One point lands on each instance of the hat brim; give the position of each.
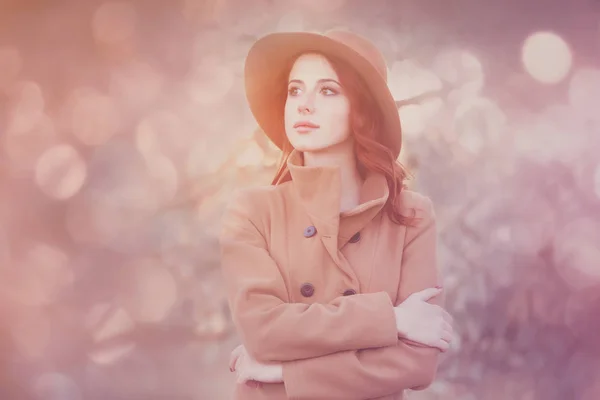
(268, 62)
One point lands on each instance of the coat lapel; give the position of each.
(318, 189)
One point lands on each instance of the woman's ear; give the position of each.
(363, 123)
(358, 120)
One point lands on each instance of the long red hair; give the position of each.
(365, 123)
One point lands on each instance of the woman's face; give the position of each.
(317, 109)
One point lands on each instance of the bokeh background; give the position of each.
(124, 128)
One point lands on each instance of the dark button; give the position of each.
(310, 231)
(307, 289)
(355, 238)
(349, 292)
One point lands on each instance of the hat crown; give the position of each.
(362, 46)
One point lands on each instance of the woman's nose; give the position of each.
(305, 109)
(307, 104)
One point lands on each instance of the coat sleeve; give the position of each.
(271, 328)
(374, 373)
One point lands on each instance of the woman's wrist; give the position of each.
(399, 323)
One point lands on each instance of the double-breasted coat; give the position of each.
(314, 289)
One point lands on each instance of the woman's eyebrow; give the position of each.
(319, 81)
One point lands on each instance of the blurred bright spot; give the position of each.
(461, 70)
(151, 290)
(40, 276)
(546, 57)
(319, 6)
(272, 157)
(584, 93)
(273, 147)
(560, 134)
(117, 323)
(121, 195)
(581, 310)
(213, 324)
(406, 79)
(31, 333)
(10, 65)
(413, 121)
(596, 182)
(248, 125)
(209, 41)
(199, 160)
(52, 268)
(55, 386)
(163, 133)
(503, 234)
(79, 222)
(163, 177)
(26, 106)
(478, 122)
(206, 209)
(5, 248)
(532, 227)
(209, 296)
(135, 85)
(206, 158)
(417, 117)
(593, 391)
(147, 141)
(577, 254)
(96, 314)
(210, 81)
(112, 354)
(553, 135)
(114, 216)
(27, 95)
(251, 156)
(25, 143)
(291, 22)
(94, 117)
(471, 141)
(60, 172)
(531, 141)
(29, 131)
(114, 22)
(205, 11)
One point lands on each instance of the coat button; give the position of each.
(307, 289)
(310, 231)
(349, 292)
(355, 238)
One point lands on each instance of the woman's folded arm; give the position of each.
(273, 329)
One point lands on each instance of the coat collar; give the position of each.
(319, 191)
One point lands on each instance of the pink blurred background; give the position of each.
(124, 127)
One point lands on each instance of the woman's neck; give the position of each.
(343, 157)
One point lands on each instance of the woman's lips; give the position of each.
(305, 126)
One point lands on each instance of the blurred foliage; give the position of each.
(124, 128)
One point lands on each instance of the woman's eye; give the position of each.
(327, 91)
(293, 91)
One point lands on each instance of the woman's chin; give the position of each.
(311, 148)
(307, 143)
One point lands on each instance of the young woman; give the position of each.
(331, 271)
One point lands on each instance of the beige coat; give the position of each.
(314, 289)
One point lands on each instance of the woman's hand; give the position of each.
(422, 322)
(250, 371)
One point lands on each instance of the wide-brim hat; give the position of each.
(269, 62)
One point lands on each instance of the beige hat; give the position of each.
(269, 60)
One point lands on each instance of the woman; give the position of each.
(331, 271)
